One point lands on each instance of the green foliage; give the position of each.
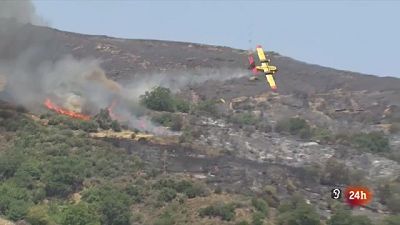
(243, 222)
(207, 107)
(9, 163)
(257, 218)
(166, 218)
(186, 187)
(182, 105)
(115, 126)
(323, 135)
(158, 99)
(105, 122)
(74, 124)
(161, 99)
(38, 215)
(392, 220)
(17, 209)
(297, 212)
(294, 126)
(135, 193)
(63, 176)
(80, 214)
(335, 173)
(245, 118)
(173, 121)
(111, 204)
(389, 194)
(167, 194)
(224, 211)
(394, 128)
(373, 142)
(344, 217)
(14, 201)
(260, 205)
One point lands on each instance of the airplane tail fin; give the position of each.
(252, 63)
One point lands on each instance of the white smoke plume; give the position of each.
(177, 81)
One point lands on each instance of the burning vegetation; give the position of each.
(52, 106)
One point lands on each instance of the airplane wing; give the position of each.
(261, 54)
(271, 81)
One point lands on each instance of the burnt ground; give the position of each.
(235, 174)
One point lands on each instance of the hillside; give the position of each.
(239, 154)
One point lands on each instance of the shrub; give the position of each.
(322, 135)
(175, 122)
(103, 119)
(244, 119)
(294, 126)
(243, 222)
(335, 173)
(224, 211)
(257, 218)
(111, 204)
(182, 105)
(260, 205)
(373, 142)
(391, 220)
(115, 126)
(38, 215)
(158, 99)
(63, 176)
(344, 217)
(165, 218)
(14, 201)
(80, 214)
(194, 190)
(167, 194)
(207, 107)
(297, 212)
(394, 128)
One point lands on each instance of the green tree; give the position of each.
(80, 214)
(158, 99)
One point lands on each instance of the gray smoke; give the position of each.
(21, 11)
(35, 65)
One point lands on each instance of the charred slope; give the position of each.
(124, 59)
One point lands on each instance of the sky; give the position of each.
(360, 36)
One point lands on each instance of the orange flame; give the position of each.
(113, 115)
(50, 105)
(111, 112)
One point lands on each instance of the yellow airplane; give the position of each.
(267, 69)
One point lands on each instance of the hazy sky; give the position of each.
(362, 36)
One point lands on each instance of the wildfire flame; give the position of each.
(50, 105)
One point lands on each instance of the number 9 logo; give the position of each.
(336, 193)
